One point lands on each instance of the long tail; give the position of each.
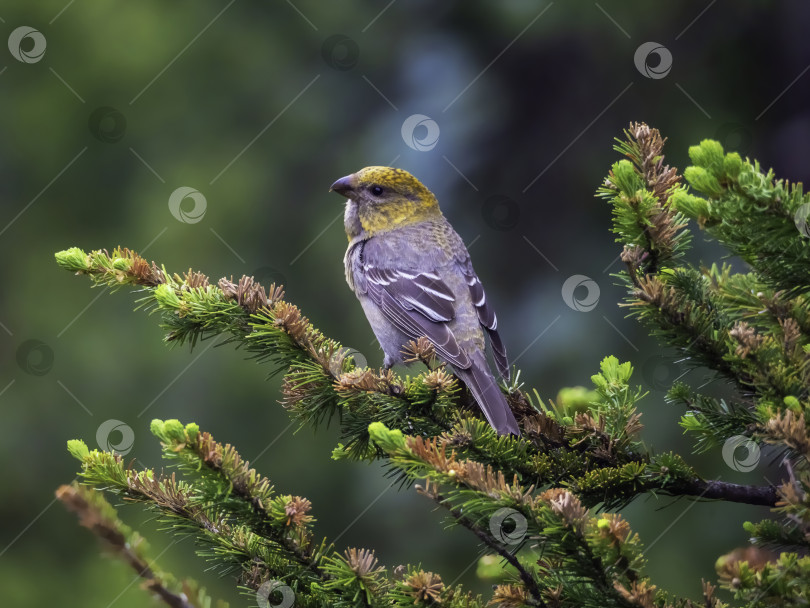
(482, 385)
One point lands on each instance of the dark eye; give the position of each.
(376, 190)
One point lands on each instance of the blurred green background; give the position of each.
(260, 106)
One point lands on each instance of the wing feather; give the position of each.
(418, 304)
(487, 318)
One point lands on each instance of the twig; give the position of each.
(765, 496)
(109, 531)
(528, 580)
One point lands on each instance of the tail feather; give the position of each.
(482, 385)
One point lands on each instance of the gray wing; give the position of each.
(418, 303)
(486, 316)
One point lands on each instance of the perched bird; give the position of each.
(413, 276)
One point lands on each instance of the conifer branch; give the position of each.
(749, 327)
(98, 516)
(284, 519)
(752, 328)
(765, 496)
(588, 561)
(579, 452)
(241, 524)
(525, 577)
(322, 381)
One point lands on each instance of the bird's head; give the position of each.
(384, 198)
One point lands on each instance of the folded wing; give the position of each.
(487, 318)
(418, 304)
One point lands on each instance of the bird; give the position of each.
(413, 276)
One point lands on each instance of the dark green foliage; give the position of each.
(709, 419)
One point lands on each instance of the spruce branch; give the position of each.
(248, 495)
(710, 419)
(578, 453)
(791, 529)
(414, 586)
(98, 516)
(558, 446)
(749, 327)
(753, 214)
(587, 561)
(240, 524)
(762, 583)
(642, 188)
(766, 496)
(229, 542)
(528, 580)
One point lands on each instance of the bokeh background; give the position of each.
(259, 107)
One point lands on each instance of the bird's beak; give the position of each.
(343, 186)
